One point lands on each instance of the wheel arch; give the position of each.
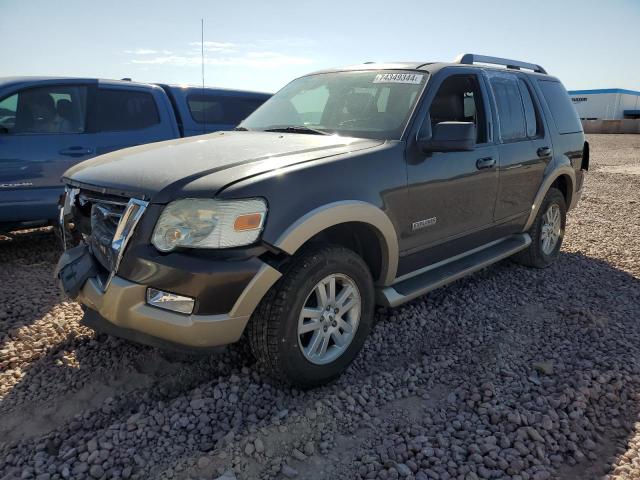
(563, 178)
(564, 183)
(341, 222)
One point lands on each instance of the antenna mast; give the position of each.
(204, 113)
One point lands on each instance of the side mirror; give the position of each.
(449, 137)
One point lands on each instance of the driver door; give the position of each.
(452, 194)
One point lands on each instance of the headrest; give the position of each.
(41, 99)
(448, 106)
(64, 108)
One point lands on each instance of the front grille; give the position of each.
(106, 223)
(105, 218)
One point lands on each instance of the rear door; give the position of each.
(43, 132)
(525, 145)
(128, 115)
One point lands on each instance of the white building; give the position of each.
(606, 103)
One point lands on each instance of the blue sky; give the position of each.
(261, 45)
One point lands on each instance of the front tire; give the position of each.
(547, 232)
(315, 319)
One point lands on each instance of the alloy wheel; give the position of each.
(551, 229)
(329, 319)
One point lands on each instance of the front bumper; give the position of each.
(123, 306)
(226, 286)
(122, 310)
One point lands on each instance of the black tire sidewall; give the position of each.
(296, 367)
(543, 259)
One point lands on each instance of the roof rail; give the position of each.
(471, 58)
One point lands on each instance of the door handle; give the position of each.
(544, 151)
(487, 162)
(75, 151)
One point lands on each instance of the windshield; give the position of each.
(369, 104)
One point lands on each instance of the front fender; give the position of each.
(321, 218)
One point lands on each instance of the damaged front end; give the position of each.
(101, 226)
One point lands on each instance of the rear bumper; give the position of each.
(122, 310)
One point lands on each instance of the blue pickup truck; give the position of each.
(49, 124)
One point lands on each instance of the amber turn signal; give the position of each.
(251, 221)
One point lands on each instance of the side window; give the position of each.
(531, 115)
(563, 112)
(120, 110)
(8, 107)
(511, 114)
(205, 109)
(44, 110)
(459, 99)
(241, 108)
(214, 109)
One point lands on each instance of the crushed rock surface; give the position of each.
(510, 373)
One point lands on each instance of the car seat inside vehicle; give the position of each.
(459, 100)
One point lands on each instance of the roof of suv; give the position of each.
(463, 60)
(429, 67)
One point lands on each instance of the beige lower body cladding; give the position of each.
(123, 304)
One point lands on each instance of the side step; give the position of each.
(440, 274)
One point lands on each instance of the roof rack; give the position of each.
(471, 58)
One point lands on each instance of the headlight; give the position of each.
(206, 223)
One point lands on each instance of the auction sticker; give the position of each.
(413, 78)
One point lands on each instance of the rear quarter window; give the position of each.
(563, 112)
(121, 110)
(217, 109)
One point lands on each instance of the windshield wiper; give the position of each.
(242, 129)
(297, 129)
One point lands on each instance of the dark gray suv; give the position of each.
(366, 185)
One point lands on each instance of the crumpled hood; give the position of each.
(162, 171)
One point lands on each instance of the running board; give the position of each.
(440, 274)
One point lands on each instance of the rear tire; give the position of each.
(547, 232)
(282, 335)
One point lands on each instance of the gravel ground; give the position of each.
(511, 373)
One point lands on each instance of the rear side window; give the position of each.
(44, 110)
(510, 109)
(121, 110)
(532, 117)
(563, 112)
(214, 109)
